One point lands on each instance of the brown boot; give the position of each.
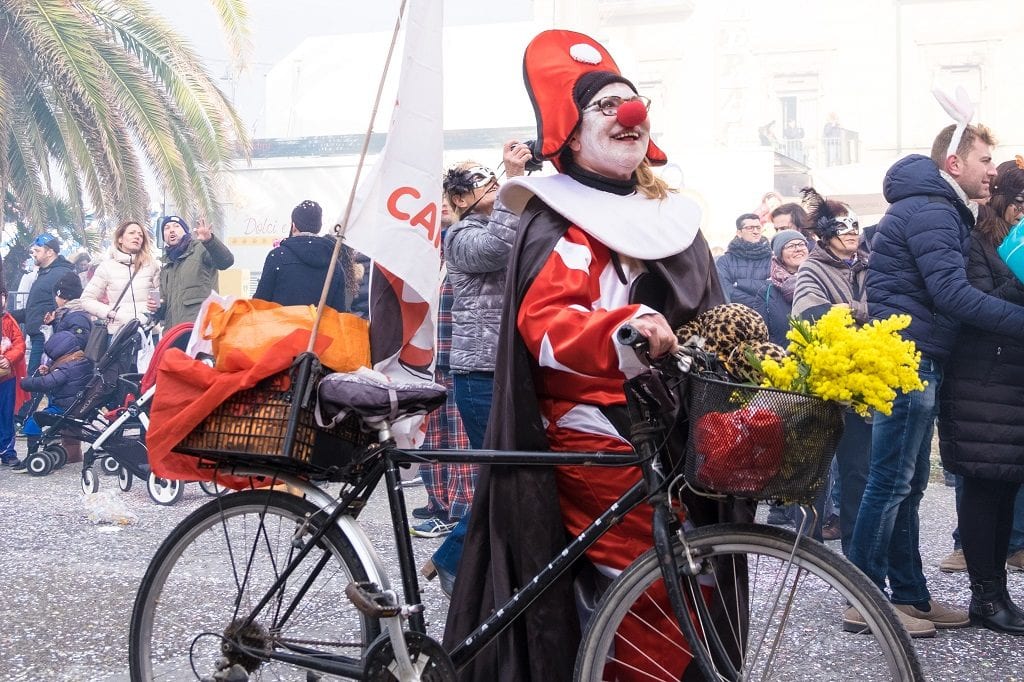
(73, 448)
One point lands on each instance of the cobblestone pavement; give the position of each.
(69, 584)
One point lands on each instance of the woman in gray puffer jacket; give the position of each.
(477, 250)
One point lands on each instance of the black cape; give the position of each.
(516, 525)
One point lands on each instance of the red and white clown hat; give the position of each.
(553, 64)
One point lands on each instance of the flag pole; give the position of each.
(339, 228)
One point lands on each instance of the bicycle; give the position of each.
(287, 583)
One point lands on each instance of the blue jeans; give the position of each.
(852, 461)
(1017, 536)
(35, 354)
(886, 537)
(473, 393)
(7, 395)
(958, 492)
(473, 397)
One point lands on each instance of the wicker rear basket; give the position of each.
(272, 425)
(759, 443)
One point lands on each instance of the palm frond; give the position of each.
(90, 90)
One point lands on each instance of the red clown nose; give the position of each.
(631, 113)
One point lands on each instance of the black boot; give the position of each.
(1006, 597)
(991, 609)
(33, 445)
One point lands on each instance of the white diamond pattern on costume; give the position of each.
(589, 419)
(574, 256)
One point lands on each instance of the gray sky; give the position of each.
(278, 26)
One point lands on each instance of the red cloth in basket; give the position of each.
(188, 391)
(742, 450)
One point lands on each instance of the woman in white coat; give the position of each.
(130, 253)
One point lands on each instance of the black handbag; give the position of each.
(99, 337)
(98, 342)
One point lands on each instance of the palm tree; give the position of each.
(93, 91)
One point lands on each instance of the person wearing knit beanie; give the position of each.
(294, 272)
(307, 217)
(189, 269)
(781, 239)
(69, 287)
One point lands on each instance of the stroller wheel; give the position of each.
(124, 479)
(39, 463)
(212, 489)
(58, 454)
(90, 482)
(110, 466)
(164, 491)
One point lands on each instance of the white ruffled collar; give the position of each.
(632, 225)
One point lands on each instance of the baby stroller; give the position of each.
(123, 442)
(80, 421)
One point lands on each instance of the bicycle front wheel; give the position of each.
(767, 612)
(197, 598)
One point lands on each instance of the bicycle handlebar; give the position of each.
(628, 335)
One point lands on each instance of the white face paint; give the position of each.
(603, 146)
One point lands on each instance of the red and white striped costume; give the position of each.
(568, 320)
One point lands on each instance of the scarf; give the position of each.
(176, 252)
(751, 250)
(68, 357)
(595, 181)
(783, 279)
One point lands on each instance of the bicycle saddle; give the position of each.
(373, 397)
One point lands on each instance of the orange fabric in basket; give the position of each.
(187, 391)
(248, 328)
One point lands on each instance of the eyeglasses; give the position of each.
(795, 246)
(609, 106)
(849, 225)
(751, 228)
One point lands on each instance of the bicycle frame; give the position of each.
(387, 467)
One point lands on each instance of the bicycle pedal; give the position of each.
(369, 600)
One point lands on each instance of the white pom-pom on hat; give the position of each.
(585, 53)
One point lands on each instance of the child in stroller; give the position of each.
(103, 387)
(62, 379)
(123, 442)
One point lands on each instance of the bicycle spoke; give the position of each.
(220, 565)
(765, 611)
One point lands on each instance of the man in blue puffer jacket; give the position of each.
(917, 268)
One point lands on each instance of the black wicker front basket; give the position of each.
(272, 425)
(759, 443)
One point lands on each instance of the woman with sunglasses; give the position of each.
(130, 260)
(834, 275)
(981, 416)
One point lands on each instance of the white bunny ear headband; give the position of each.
(961, 110)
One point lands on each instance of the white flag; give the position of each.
(396, 217)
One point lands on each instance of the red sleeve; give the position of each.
(562, 320)
(16, 353)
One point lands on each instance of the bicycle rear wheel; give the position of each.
(773, 619)
(213, 569)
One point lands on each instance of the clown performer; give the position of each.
(601, 244)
